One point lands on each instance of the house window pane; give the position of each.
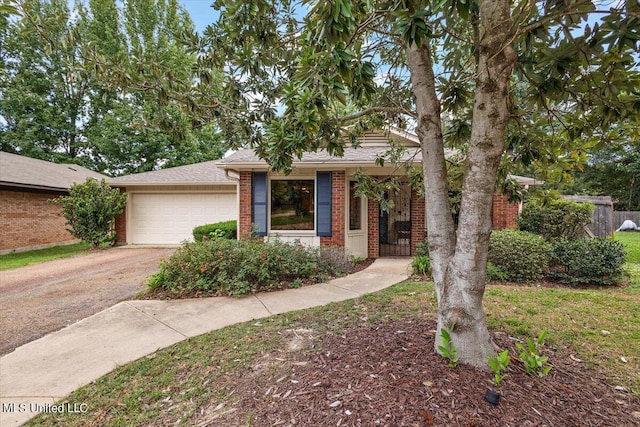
(355, 208)
(292, 204)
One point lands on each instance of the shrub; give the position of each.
(90, 210)
(333, 261)
(493, 272)
(556, 219)
(422, 248)
(239, 267)
(598, 261)
(421, 265)
(522, 256)
(225, 229)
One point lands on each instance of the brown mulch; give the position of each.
(387, 374)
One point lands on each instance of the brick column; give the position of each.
(418, 221)
(503, 213)
(373, 226)
(244, 218)
(338, 211)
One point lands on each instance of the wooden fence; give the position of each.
(603, 222)
(621, 216)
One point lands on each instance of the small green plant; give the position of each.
(533, 362)
(499, 364)
(447, 349)
(421, 265)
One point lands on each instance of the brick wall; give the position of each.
(30, 220)
(338, 219)
(503, 213)
(418, 222)
(244, 219)
(373, 226)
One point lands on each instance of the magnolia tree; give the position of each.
(506, 81)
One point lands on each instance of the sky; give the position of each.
(200, 11)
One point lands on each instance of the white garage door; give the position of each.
(170, 218)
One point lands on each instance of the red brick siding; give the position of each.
(29, 220)
(338, 211)
(373, 226)
(503, 213)
(418, 223)
(244, 219)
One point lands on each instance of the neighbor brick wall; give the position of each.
(418, 223)
(121, 228)
(337, 211)
(30, 220)
(503, 213)
(244, 223)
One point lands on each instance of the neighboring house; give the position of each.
(316, 204)
(164, 206)
(27, 219)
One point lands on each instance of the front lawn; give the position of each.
(631, 240)
(243, 373)
(21, 259)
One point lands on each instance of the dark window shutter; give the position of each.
(323, 209)
(259, 195)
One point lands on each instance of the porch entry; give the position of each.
(395, 224)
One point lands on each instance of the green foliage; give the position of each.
(534, 363)
(63, 99)
(519, 256)
(90, 210)
(599, 261)
(225, 229)
(422, 248)
(421, 265)
(493, 272)
(499, 364)
(556, 219)
(239, 267)
(447, 349)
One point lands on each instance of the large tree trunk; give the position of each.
(459, 262)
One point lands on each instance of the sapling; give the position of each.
(447, 348)
(499, 364)
(534, 363)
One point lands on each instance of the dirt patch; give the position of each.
(42, 298)
(386, 374)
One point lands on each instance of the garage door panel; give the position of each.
(170, 218)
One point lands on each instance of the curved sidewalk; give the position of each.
(46, 370)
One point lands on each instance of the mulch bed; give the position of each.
(387, 374)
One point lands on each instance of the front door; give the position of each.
(395, 224)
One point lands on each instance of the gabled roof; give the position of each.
(372, 146)
(205, 173)
(18, 171)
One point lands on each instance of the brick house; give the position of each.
(316, 204)
(27, 219)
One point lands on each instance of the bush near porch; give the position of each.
(239, 267)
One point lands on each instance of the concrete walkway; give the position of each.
(46, 370)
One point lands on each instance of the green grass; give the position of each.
(21, 259)
(631, 240)
(170, 385)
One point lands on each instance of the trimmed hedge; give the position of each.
(225, 229)
(518, 256)
(588, 261)
(558, 219)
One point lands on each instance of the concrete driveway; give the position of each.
(42, 298)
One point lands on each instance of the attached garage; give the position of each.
(164, 206)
